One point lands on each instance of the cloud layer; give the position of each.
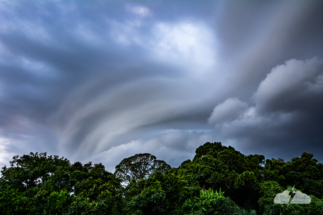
(99, 81)
(286, 109)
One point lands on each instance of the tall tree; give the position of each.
(139, 167)
(215, 166)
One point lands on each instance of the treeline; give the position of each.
(219, 180)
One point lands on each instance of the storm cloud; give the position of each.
(101, 81)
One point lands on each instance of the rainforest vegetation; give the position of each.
(218, 180)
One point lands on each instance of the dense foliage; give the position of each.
(219, 180)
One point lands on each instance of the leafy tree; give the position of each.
(95, 197)
(168, 190)
(41, 184)
(305, 173)
(31, 170)
(13, 202)
(48, 201)
(210, 202)
(150, 201)
(209, 148)
(272, 170)
(315, 207)
(139, 166)
(215, 166)
(269, 189)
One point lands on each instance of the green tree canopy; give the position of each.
(159, 194)
(139, 166)
(209, 203)
(219, 167)
(41, 184)
(305, 173)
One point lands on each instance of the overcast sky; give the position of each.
(100, 81)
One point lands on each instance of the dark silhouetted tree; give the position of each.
(139, 167)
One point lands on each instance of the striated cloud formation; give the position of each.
(101, 81)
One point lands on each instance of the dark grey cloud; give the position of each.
(102, 81)
(294, 86)
(257, 36)
(286, 117)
